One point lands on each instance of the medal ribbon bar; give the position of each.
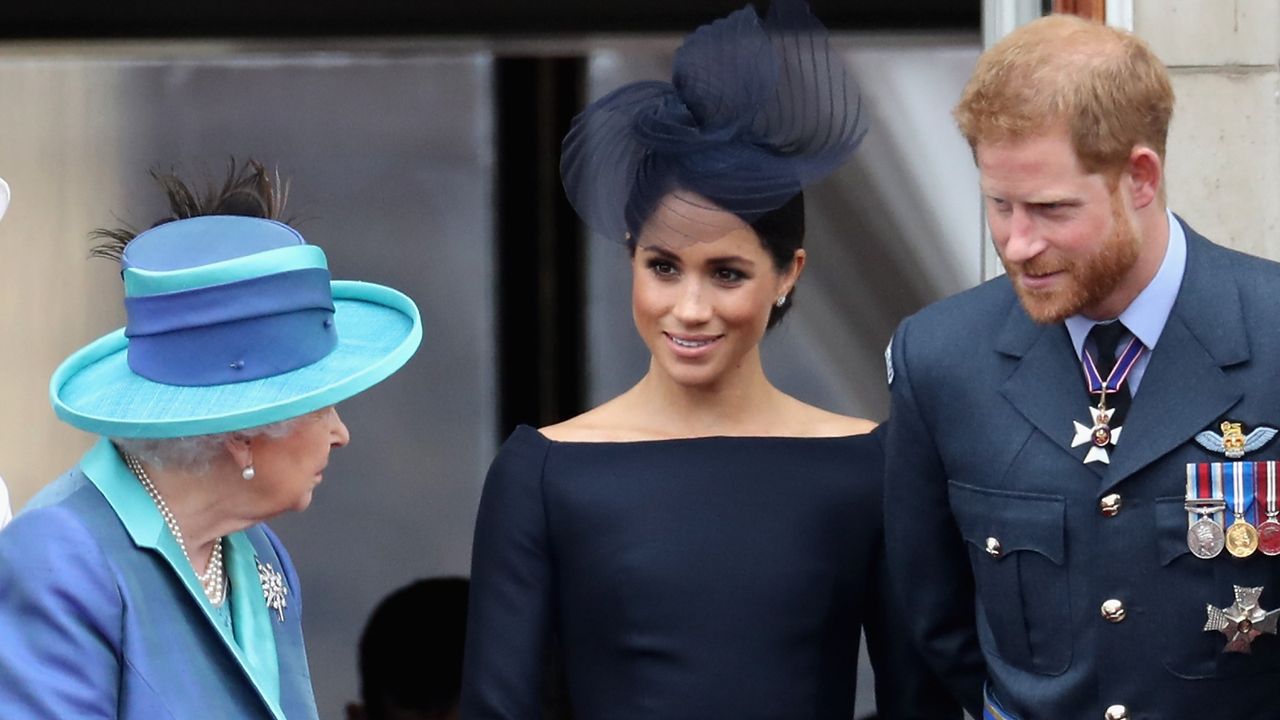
(1241, 489)
(1205, 492)
(1265, 472)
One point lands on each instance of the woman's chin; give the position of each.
(693, 376)
(303, 503)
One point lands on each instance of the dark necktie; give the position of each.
(1106, 338)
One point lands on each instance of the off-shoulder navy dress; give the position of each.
(705, 578)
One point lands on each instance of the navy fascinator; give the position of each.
(755, 111)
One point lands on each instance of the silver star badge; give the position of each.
(1100, 436)
(273, 588)
(1243, 621)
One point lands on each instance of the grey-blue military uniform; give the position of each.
(1068, 589)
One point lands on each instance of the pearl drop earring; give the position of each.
(248, 472)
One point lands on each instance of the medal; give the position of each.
(1269, 529)
(1100, 435)
(1205, 506)
(1243, 622)
(1205, 538)
(1242, 537)
(1269, 537)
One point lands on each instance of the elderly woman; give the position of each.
(144, 584)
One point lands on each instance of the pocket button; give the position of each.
(993, 547)
(1117, 712)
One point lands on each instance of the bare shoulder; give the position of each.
(812, 421)
(605, 423)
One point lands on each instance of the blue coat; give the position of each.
(979, 448)
(95, 621)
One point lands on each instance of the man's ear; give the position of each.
(1146, 174)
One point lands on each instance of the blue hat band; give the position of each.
(234, 332)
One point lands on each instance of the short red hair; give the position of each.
(1105, 86)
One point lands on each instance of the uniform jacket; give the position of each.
(96, 623)
(979, 450)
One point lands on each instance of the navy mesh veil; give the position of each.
(755, 111)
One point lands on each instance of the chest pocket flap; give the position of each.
(1017, 521)
(1017, 547)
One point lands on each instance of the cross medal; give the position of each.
(1242, 622)
(1099, 435)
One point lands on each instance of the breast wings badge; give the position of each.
(1233, 442)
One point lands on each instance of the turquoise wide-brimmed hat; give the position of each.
(233, 322)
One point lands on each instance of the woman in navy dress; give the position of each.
(702, 546)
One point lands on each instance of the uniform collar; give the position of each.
(1146, 315)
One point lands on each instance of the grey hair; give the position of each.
(195, 453)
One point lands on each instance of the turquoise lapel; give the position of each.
(254, 623)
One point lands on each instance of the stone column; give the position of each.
(1223, 163)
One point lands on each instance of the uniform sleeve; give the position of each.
(510, 606)
(60, 621)
(906, 686)
(928, 564)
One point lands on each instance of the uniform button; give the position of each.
(1117, 712)
(993, 547)
(1110, 505)
(1113, 610)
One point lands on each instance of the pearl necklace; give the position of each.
(213, 579)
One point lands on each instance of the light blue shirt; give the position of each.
(1146, 315)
